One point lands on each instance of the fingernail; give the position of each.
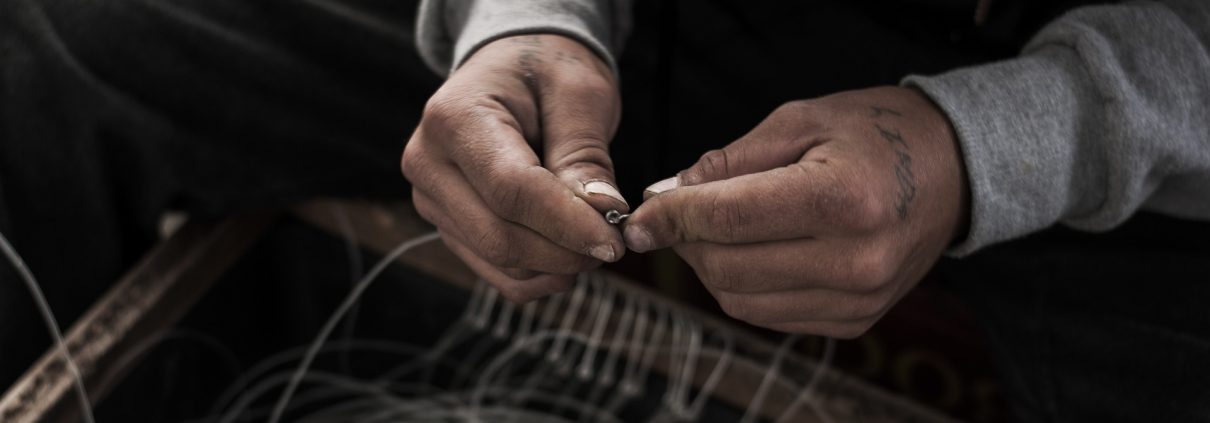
(664, 185)
(603, 188)
(603, 253)
(637, 238)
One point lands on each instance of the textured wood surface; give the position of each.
(148, 300)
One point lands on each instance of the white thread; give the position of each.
(52, 325)
(758, 399)
(805, 395)
(335, 318)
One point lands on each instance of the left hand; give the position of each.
(822, 217)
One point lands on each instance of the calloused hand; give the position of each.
(820, 218)
(511, 163)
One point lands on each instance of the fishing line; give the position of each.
(335, 318)
(51, 325)
(496, 367)
(573, 327)
(804, 397)
(762, 391)
(265, 366)
(356, 268)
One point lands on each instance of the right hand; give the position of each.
(511, 163)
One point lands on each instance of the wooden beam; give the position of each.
(147, 301)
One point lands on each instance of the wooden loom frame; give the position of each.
(168, 281)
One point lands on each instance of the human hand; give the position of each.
(822, 217)
(523, 222)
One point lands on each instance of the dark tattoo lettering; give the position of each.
(891, 135)
(906, 181)
(904, 178)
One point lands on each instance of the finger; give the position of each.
(503, 244)
(505, 172)
(801, 200)
(579, 118)
(517, 291)
(838, 330)
(758, 151)
(809, 305)
(786, 266)
(461, 213)
(460, 249)
(519, 274)
(766, 147)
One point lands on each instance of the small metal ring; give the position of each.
(615, 217)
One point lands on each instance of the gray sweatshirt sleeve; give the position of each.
(447, 31)
(1105, 112)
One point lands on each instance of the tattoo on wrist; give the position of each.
(904, 177)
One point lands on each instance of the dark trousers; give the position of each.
(112, 112)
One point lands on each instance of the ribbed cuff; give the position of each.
(1017, 124)
(449, 31)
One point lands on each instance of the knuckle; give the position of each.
(808, 115)
(880, 265)
(714, 164)
(717, 273)
(506, 198)
(719, 277)
(725, 217)
(855, 207)
(797, 108)
(495, 247)
(408, 160)
(591, 88)
(583, 148)
(454, 114)
(442, 106)
(412, 162)
(870, 271)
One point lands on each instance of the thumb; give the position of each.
(750, 154)
(765, 147)
(577, 124)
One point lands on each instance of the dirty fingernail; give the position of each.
(603, 253)
(603, 188)
(664, 185)
(637, 238)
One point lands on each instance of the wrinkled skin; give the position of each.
(817, 221)
(822, 217)
(511, 163)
